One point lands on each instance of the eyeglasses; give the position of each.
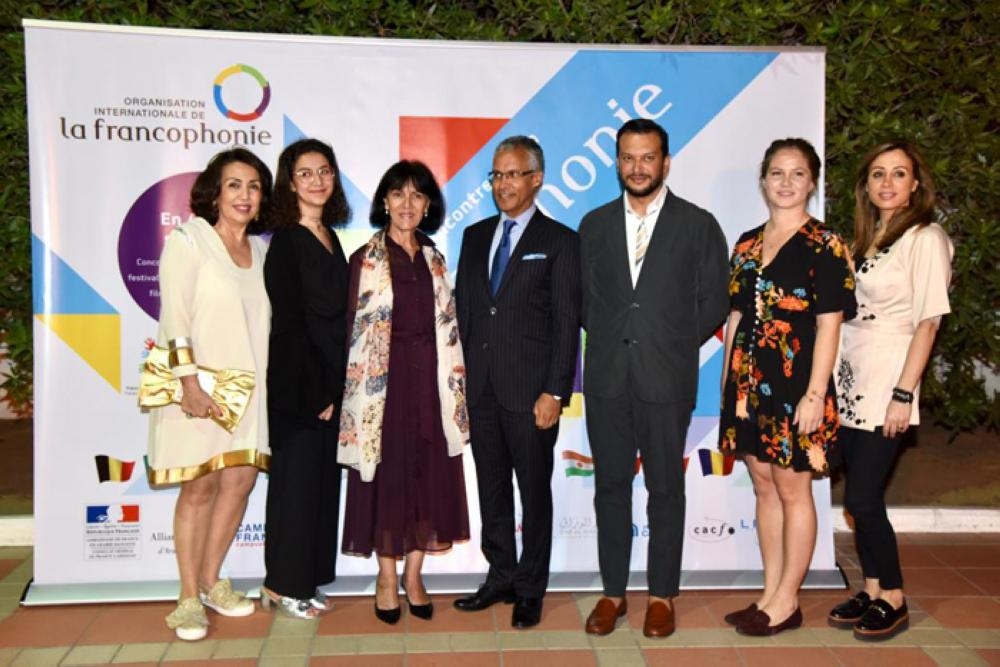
(497, 176)
(306, 175)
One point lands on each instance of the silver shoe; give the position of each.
(290, 607)
(321, 601)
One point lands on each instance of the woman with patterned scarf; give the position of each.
(404, 421)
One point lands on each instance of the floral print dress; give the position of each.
(768, 370)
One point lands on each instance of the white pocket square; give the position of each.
(534, 255)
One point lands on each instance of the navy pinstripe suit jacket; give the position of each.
(525, 340)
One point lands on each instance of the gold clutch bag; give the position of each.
(229, 388)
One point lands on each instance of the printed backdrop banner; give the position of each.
(122, 119)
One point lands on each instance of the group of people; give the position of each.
(380, 365)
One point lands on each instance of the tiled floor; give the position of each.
(953, 587)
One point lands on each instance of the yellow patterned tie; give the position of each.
(641, 243)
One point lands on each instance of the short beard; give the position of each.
(653, 186)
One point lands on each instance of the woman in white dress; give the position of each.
(903, 262)
(214, 313)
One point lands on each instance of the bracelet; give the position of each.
(812, 393)
(901, 395)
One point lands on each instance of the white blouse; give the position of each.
(896, 289)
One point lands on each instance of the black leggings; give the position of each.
(869, 457)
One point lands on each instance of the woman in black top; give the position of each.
(306, 278)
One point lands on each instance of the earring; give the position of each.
(387, 210)
(426, 211)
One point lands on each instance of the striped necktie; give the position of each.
(501, 257)
(641, 242)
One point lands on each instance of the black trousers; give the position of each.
(618, 428)
(504, 444)
(303, 505)
(868, 458)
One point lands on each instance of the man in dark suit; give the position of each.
(654, 288)
(518, 297)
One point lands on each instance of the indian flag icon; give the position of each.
(577, 465)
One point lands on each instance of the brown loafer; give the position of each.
(759, 624)
(602, 620)
(659, 620)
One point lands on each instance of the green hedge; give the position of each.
(926, 71)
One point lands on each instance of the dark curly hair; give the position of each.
(208, 185)
(398, 175)
(286, 204)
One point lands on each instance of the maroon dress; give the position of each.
(416, 501)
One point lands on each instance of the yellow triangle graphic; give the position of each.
(96, 338)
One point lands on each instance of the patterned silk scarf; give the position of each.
(368, 361)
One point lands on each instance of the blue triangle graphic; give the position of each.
(57, 289)
(576, 114)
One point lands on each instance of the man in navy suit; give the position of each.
(518, 297)
(655, 287)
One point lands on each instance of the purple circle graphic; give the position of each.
(153, 215)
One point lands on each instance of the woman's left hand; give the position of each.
(808, 414)
(897, 419)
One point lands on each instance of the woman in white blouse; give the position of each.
(903, 265)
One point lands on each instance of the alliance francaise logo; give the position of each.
(265, 97)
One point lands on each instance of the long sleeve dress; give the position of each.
(771, 358)
(416, 500)
(307, 285)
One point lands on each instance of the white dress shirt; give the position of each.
(632, 220)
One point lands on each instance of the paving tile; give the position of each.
(692, 657)
(544, 658)
(816, 606)
(7, 565)
(181, 650)
(381, 644)
(559, 612)
(283, 626)
(281, 647)
(7, 655)
(32, 626)
(510, 641)
(923, 637)
(986, 579)
(11, 591)
(834, 636)
(438, 642)
(772, 656)
(565, 639)
(448, 619)
(454, 659)
(954, 657)
(990, 656)
(255, 626)
(966, 555)
(698, 611)
(40, 657)
(865, 656)
(358, 661)
(978, 638)
(691, 637)
(237, 648)
(224, 662)
(355, 616)
(800, 637)
(620, 657)
(138, 622)
(100, 654)
(937, 581)
(918, 555)
(147, 652)
(282, 661)
(622, 637)
(474, 641)
(971, 612)
(334, 645)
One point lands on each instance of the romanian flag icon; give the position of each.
(715, 463)
(578, 465)
(110, 469)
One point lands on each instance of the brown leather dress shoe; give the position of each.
(659, 620)
(602, 620)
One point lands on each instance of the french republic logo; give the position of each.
(242, 116)
(112, 514)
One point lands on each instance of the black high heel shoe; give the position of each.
(390, 616)
(424, 611)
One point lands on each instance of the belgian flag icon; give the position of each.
(110, 469)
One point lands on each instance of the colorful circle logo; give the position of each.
(265, 97)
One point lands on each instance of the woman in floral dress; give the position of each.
(791, 287)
